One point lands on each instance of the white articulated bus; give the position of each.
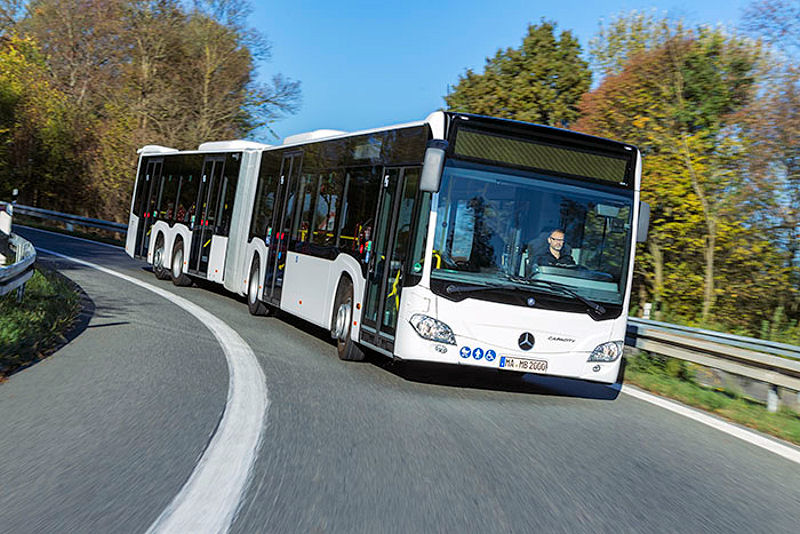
(458, 239)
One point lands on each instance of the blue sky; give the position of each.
(368, 64)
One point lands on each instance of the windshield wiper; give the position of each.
(453, 289)
(561, 287)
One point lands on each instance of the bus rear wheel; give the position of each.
(179, 278)
(342, 323)
(255, 306)
(158, 259)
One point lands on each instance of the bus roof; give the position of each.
(237, 144)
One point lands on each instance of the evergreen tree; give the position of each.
(541, 81)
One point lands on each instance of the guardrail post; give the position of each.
(772, 399)
(5, 229)
(20, 289)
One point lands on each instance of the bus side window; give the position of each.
(265, 197)
(167, 207)
(359, 210)
(329, 191)
(188, 197)
(223, 208)
(307, 193)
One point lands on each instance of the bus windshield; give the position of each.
(533, 232)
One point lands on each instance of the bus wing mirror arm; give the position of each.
(644, 222)
(432, 165)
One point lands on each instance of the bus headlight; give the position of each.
(607, 352)
(433, 329)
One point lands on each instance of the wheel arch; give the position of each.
(346, 265)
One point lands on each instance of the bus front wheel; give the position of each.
(179, 278)
(342, 324)
(255, 306)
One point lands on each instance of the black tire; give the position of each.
(158, 259)
(342, 323)
(254, 305)
(621, 374)
(179, 278)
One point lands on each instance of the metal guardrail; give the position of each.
(774, 363)
(68, 218)
(15, 275)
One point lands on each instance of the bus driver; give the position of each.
(557, 253)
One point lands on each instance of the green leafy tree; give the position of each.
(541, 81)
(626, 35)
(40, 134)
(678, 102)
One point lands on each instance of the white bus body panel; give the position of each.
(310, 284)
(130, 239)
(216, 258)
(238, 256)
(306, 286)
(564, 340)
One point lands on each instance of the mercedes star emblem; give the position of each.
(526, 341)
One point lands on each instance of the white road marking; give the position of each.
(210, 498)
(790, 453)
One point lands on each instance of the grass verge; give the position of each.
(30, 330)
(672, 378)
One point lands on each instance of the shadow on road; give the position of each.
(88, 307)
(494, 380)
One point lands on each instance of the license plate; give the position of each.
(523, 364)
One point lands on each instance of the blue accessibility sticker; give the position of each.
(502, 361)
(477, 353)
(490, 355)
(464, 352)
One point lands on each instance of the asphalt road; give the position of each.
(100, 437)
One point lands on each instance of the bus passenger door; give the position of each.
(389, 251)
(147, 203)
(205, 214)
(281, 228)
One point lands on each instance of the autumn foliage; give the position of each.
(84, 83)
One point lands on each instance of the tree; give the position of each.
(541, 81)
(84, 45)
(777, 22)
(627, 35)
(678, 102)
(134, 72)
(39, 133)
(772, 122)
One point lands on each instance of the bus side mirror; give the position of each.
(644, 222)
(432, 165)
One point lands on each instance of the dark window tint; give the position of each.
(169, 193)
(227, 193)
(265, 195)
(187, 201)
(419, 239)
(327, 205)
(357, 221)
(306, 196)
(141, 188)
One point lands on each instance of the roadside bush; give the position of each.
(32, 328)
